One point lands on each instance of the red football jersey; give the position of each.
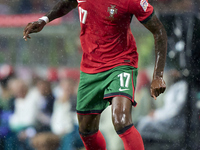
(106, 37)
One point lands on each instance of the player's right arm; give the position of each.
(59, 10)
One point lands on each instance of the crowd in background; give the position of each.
(39, 112)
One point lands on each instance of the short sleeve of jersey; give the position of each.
(141, 9)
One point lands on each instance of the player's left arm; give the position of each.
(154, 25)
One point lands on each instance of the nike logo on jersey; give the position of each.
(81, 1)
(120, 89)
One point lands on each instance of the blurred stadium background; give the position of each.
(39, 80)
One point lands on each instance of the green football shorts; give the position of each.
(96, 91)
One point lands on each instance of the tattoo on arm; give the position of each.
(156, 27)
(61, 9)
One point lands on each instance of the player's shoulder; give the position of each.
(140, 6)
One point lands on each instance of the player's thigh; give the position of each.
(121, 112)
(88, 123)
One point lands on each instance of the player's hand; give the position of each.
(33, 27)
(158, 86)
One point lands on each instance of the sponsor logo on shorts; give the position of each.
(120, 89)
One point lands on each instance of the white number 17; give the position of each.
(127, 76)
(82, 15)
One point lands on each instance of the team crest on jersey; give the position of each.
(144, 4)
(112, 10)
